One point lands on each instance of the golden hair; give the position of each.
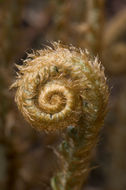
(56, 86)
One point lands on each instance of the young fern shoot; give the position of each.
(64, 88)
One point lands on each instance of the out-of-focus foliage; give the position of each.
(27, 159)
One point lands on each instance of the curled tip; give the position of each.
(53, 86)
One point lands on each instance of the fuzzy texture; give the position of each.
(63, 87)
(56, 86)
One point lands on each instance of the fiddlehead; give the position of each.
(61, 88)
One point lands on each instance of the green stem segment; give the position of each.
(75, 153)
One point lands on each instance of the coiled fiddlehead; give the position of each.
(63, 87)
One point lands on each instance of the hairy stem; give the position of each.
(75, 153)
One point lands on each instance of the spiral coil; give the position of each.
(57, 86)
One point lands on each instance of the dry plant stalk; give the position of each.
(95, 22)
(9, 34)
(114, 52)
(64, 88)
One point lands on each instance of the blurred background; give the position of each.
(27, 159)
